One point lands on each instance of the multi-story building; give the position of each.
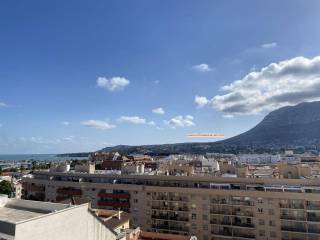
(206, 207)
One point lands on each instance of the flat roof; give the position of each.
(13, 215)
(17, 210)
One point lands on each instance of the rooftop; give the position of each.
(15, 210)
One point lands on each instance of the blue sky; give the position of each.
(149, 55)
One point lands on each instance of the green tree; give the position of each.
(5, 187)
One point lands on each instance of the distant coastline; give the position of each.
(39, 157)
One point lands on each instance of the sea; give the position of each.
(36, 157)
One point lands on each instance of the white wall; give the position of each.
(74, 223)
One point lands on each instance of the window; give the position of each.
(205, 227)
(135, 200)
(272, 223)
(193, 216)
(261, 222)
(271, 211)
(260, 210)
(260, 200)
(205, 217)
(262, 233)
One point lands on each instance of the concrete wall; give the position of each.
(74, 223)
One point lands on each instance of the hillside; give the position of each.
(288, 127)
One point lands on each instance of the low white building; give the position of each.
(24, 220)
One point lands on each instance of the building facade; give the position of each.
(207, 207)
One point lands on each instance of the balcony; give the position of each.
(314, 229)
(181, 209)
(70, 192)
(244, 235)
(170, 228)
(114, 195)
(243, 213)
(114, 204)
(293, 229)
(220, 222)
(221, 211)
(242, 203)
(179, 199)
(292, 217)
(313, 218)
(313, 206)
(292, 206)
(222, 233)
(170, 218)
(240, 224)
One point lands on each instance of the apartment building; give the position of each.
(209, 208)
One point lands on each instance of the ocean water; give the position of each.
(36, 157)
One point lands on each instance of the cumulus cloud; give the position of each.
(112, 84)
(151, 123)
(158, 110)
(98, 124)
(202, 68)
(180, 121)
(279, 84)
(201, 101)
(3, 105)
(132, 119)
(269, 45)
(66, 123)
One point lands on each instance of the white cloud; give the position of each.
(279, 84)
(112, 84)
(3, 105)
(269, 45)
(158, 110)
(1, 125)
(98, 124)
(202, 68)
(156, 82)
(68, 139)
(151, 123)
(180, 121)
(66, 123)
(132, 119)
(228, 116)
(201, 101)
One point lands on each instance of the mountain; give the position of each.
(288, 127)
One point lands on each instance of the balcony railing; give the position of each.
(70, 192)
(240, 224)
(222, 233)
(292, 206)
(292, 217)
(293, 229)
(114, 204)
(114, 195)
(314, 218)
(172, 218)
(170, 228)
(244, 235)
